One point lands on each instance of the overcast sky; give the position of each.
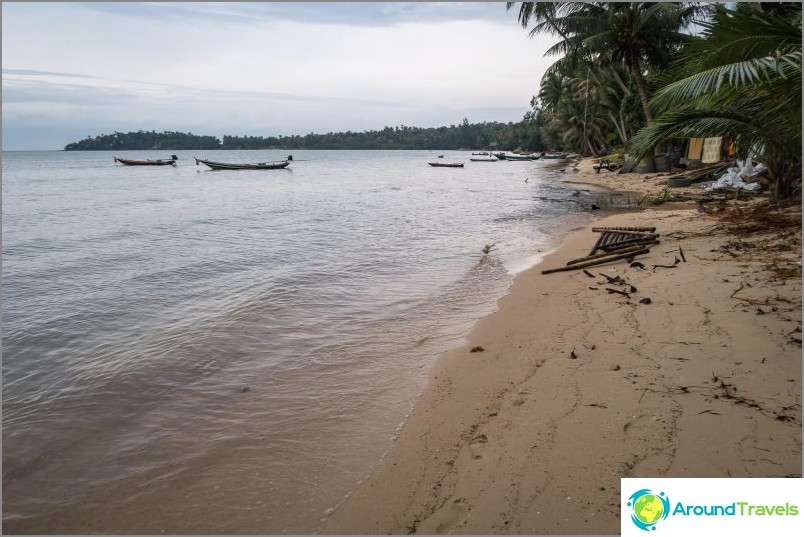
(71, 70)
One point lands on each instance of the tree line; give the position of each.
(523, 135)
(637, 75)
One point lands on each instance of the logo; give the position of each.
(647, 508)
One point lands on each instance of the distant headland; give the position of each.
(522, 135)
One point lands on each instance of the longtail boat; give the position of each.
(158, 162)
(275, 165)
(446, 164)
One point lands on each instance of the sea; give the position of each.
(234, 352)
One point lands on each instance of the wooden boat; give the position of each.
(159, 162)
(520, 157)
(275, 165)
(546, 156)
(484, 159)
(446, 164)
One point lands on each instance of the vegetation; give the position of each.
(145, 140)
(741, 79)
(487, 135)
(633, 74)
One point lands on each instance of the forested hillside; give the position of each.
(525, 134)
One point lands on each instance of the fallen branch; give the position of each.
(597, 262)
(608, 254)
(612, 291)
(624, 229)
(648, 239)
(667, 266)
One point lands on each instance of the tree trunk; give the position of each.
(642, 87)
(619, 81)
(620, 131)
(636, 68)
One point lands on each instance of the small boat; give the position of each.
(159, 162)
(446, 164)
(489, 158)
(275, 165)
(546, 156)
(520, 157)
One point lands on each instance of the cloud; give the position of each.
(330, 13)
(263, 68)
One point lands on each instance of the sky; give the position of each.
(73, 70)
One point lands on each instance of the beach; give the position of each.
(567, 387)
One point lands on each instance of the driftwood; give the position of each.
(622, 231)
(622, 250)
(650, 239)
(648, 229)
(597, 261)
(615, 237)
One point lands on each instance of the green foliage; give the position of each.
(742, 80)
(145, 140)
(463, 136)
(526, 134)
(609, 50)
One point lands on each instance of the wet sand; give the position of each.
(576, 387)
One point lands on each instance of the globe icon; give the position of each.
(648, 509)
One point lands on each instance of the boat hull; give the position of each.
(256, 166)
(132, 162)
(445, 165)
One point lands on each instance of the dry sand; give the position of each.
(576, 387)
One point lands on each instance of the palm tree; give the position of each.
(639, 35)
(742, 79)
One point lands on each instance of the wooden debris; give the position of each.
(610, 253)
(616, 237)
(615, 243)
(597, 261)
(611, 291)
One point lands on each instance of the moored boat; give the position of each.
(489, 158)
(554, 155)
(148, 162)
(275, 165)
(521, 157)
(446, 164)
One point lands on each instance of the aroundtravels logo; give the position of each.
(648, 508)
(711, 506)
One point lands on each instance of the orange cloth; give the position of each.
(695, 149)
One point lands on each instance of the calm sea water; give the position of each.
(197, 351)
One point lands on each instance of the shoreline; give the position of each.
(576, 387)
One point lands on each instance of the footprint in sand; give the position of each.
(477, 446)
(449, 517)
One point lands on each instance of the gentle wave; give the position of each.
(245, 340)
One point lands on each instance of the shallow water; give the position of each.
(197, 351)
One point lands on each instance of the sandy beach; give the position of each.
(568, 387)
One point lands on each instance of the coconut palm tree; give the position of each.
(639, 35)
(742, 79)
